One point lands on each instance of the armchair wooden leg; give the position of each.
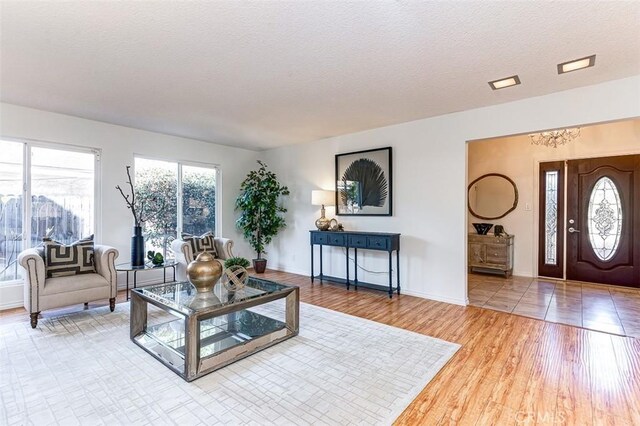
(34, 319)
(112, 304)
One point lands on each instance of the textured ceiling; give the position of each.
(261, 74)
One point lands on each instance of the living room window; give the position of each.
(45, 190)
(186, 194)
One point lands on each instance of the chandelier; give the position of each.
(553, 138)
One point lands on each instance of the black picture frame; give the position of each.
(364, 183)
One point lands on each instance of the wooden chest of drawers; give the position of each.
(488, 253)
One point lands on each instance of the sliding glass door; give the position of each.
(45, 191)
(62, 195)
(184, 196)
(198, 199)
(11, 208)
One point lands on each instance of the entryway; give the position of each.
(610, 309)
(575, 225)
(596, 238)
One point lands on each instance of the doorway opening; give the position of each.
(539, 286)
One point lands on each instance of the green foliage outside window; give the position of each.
(158, 186)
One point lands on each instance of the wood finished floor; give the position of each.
(510, 369)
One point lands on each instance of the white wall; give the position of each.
(517, 158)
(429, 177)
(118, 145)
(429, 166)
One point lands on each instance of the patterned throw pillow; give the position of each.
(62, 260)
(202, 243)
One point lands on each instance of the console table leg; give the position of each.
(127, 285)
(346, 258)
(355, 265)
(398, 269)
(390, 277)
(311, 263)
(321, 263)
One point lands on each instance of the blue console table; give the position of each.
(380, 241)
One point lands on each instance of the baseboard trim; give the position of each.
(11, 296)
(437, 298)
(289, 270)
(429, 296)
(11, 305)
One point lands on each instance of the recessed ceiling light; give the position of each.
(504, 82)
(577, 64)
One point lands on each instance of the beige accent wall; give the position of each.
(517, 158)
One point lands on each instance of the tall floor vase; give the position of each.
(137, 247)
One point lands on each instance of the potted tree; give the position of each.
(260, 211)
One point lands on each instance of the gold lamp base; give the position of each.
(322, 223)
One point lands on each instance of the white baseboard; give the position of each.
(11, 296)
(281, 268)
(437, 298)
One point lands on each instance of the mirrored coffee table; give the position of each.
(205, 332)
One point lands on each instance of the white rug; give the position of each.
(81, 368)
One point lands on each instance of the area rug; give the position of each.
(81, 368)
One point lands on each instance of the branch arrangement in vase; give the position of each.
(142, 208)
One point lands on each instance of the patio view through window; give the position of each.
(185, 196)
(55, 198)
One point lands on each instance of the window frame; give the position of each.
(545, 269)
(179, 191)
(27, 145)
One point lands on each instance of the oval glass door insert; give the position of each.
(605, 218)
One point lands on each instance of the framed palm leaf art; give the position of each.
(363, 183)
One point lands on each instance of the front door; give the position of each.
(603, 220)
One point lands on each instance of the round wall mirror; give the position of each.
(492, 196)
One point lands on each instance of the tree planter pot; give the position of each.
(259, 265)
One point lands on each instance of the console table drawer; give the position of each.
(378, 243)
(318, 238)
(357, 241)
(335, 240)
(328, 239)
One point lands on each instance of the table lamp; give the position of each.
(322, 198)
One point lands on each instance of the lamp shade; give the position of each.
(323, 198)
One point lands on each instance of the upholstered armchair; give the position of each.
(183, 253)
(42, 293)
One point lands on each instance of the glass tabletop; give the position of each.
(183, 296)
(126, 266)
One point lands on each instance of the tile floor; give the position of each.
(596, 307)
